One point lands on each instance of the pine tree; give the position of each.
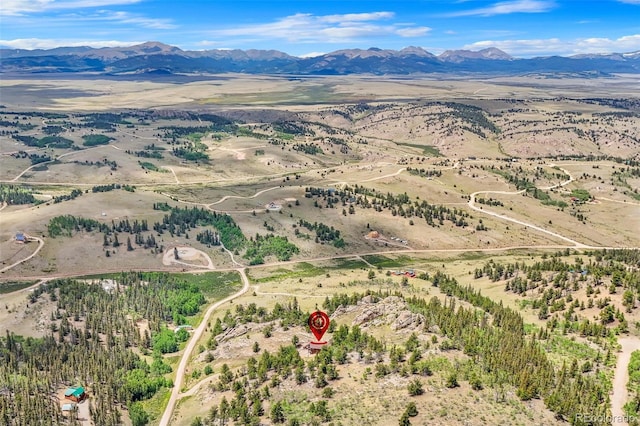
(412, 410)
(277, 413)
(415, 387)
(404, 420)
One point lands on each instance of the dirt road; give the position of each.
(384, 176)
(187, 254)
(15, 179)
(226, 197)
(197, 334)
(40, 245)
(326, 258)
(472, 205)
(620, 379)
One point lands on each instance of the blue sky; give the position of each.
(522, 28)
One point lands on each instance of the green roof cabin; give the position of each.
(75, 394)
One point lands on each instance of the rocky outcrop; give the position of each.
(368, 315)
(407, 320)
(230, 333)
(391, 311)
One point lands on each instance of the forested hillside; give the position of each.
(97, 340)
(488, 343)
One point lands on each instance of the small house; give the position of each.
(20, 238)
(314, 347)
(68, 407)
(75, 394)
(108, 285)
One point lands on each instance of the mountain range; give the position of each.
(159, 58)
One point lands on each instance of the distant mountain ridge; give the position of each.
(159, 57)
(490, 53)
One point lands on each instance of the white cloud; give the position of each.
(208, 43)
(356, 17)
(312, 54)
(72, 12)
(413, 32)
(18, 7)
(556, 46)
(336, 34)
(141, 21)
(622, 44)
(21, 7)
(39, 43)
(508, 7)
(71, 21)
(307, 28)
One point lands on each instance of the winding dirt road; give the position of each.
(472, 205)
(621, 377)
(40, 245)
(186, 253)
(197, 334)
(384, 176)
(619, 202)
(226, 197)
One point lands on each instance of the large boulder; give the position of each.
(368, 314)
(408, 320)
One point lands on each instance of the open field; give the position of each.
(231, 90)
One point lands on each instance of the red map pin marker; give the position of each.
(318, 323)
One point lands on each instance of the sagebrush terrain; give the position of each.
(475, 243)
